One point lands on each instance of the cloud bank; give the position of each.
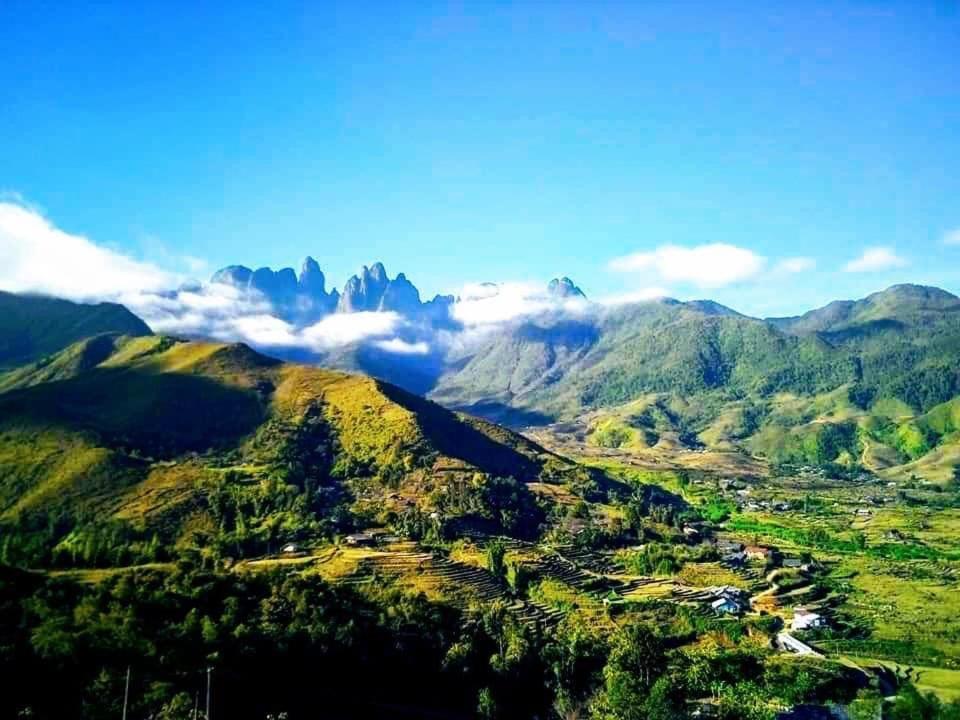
(705, 266)
(37, 257)
(875, 259)
(486, 304)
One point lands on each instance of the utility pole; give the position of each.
(208, 693)
(126, 694)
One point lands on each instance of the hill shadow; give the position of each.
(157, 414)
(569, 334)
(414, 373)
(503, 414)
(865, 330)
(455, 438)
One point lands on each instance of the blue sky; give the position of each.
(480, 141)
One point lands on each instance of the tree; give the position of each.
(575, 658)
(866, 706)
(486, 705)
(859, 541)
(665, 701)
(912, 705)
(495, 559)
(636, 660)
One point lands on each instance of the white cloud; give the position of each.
(225, 313)
(706, 266)
(402, 347)
(262, 330)
(636, 296)
(875, 259)
(196, 266)
(488, 304)
(952, 237)
(211, 310)
(344, 329)
(795, 265)
(37, 257)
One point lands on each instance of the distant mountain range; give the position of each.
(874, 381)
(900, 344)
(303, 299)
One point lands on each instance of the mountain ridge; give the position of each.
(720, 373)
(32, 326)
(153, 429)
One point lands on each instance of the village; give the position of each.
(765, 582)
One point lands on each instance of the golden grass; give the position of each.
(709, 575)
(165, 487)
(92, 576)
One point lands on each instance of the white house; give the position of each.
(725, 606)
(728, 591)
(361, 538)
(803, 619)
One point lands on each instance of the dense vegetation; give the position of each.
(174, 512)
(164, 441)
(282, 642)
(857, 383)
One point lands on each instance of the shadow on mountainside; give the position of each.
(503, 414)
(157, 414)
(415, 373)
(455, 438)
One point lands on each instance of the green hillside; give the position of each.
(69, 362)
(180, 510)
(560, 369)
(162, 438)
(902, 344)
(850, 383)
(906, 340)
(32, 327)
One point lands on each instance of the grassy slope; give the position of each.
(888, 437)
(120, 437)
(562, 368)
(881, 365)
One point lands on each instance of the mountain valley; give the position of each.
(674, 465)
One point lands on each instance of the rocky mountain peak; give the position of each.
(312, 280)
(236, 275)
(400, 296)
(278, 286)
(378, 272)
(303, 299)
(564, 287)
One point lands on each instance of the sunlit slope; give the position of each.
(145, 427)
